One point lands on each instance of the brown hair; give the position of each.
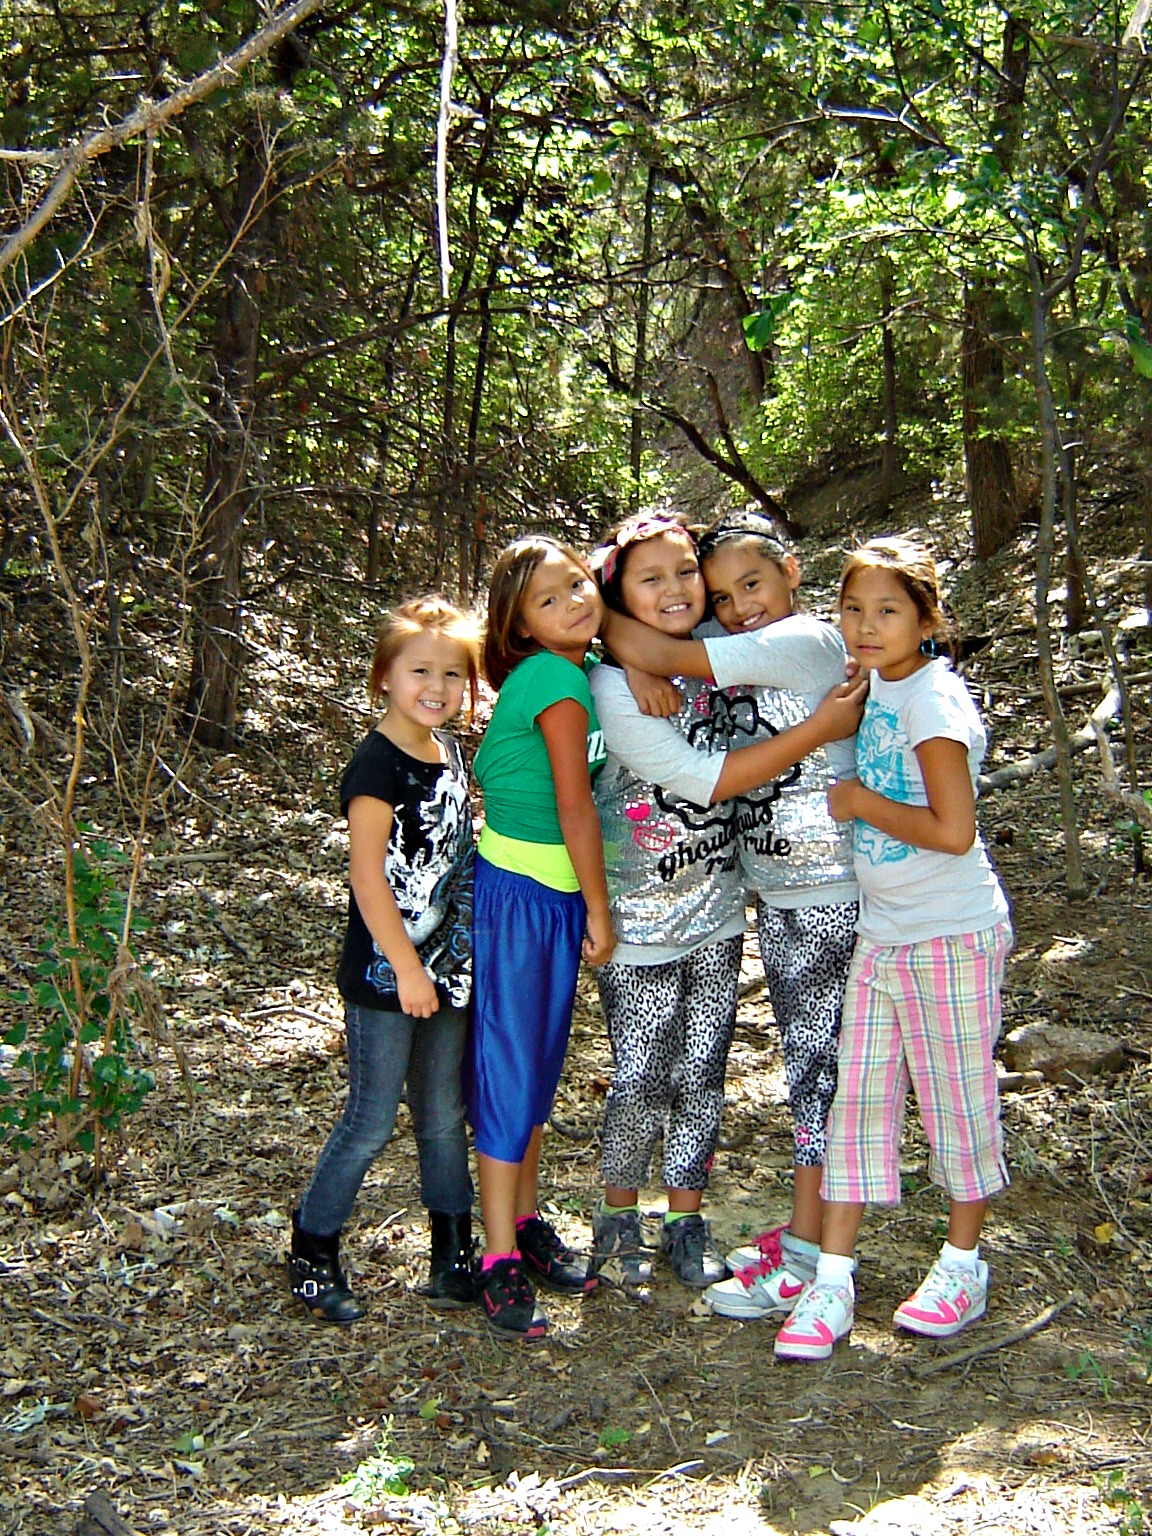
(423, 615)
(610, 558)
(504, 646)
(914, 568)
(745, 527)
(749, 526)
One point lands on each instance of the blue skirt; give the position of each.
(525, 959)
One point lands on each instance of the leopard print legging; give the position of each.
(806, 951)
(670, 1027)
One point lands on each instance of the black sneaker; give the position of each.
(509, 1302)
(618, 1242)
(550, 1261)
(694, 1257)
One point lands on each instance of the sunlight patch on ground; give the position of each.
(1065, 949)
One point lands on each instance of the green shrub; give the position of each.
(75, 1047)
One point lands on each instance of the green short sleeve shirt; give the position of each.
(512, 766)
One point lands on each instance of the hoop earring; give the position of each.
(929, 648)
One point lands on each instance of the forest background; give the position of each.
(306, 307)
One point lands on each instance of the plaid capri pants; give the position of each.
(923, 1016)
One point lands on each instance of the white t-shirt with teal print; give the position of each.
(911, 894)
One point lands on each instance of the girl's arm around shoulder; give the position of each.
(836, 716)
(564, 726)
(640, 646)
(649, 746)
(800, 653)
(947, 824)
(369, 829)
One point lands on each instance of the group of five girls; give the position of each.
(625, 819)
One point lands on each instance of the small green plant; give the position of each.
(613, 1435)
(384, 1472)
(1087, 1365)
(1130, 834)
(1116, 1496)
(75, 1046)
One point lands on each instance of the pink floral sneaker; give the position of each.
(823, 1314)
(945, 1301)
(759, 1289)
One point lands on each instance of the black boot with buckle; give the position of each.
(452, 1272)
(315, 1276)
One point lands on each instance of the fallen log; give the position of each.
(1026, 768)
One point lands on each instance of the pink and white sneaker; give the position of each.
(824, 1314)
(760, 1289)
(945, 1301)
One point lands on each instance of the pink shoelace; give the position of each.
(771, 1258)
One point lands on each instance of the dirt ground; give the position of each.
(153, 1357)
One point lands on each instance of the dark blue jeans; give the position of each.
(385, 1050)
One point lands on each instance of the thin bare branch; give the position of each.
(148, 118)
(443, 124)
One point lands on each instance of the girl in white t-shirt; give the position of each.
(922, 1006)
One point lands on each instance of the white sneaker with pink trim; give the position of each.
(823, 1314)
(945, 1301)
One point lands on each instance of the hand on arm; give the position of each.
(639, 645)
(369, 827)
(947, 824)
(565, 729)
(655, 696)
(838, 714)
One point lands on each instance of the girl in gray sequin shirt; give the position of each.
(670, 814)
(772, 665)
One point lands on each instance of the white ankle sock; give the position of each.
(959, 1258)
(835, 1269)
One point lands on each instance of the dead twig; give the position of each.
(293, 1008)
(1136, 806)
(663, 1412)
(571, 1132)
(101, 1517)
(627, 1474)
(962, 1356)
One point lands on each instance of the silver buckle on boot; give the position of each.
(309, 1290)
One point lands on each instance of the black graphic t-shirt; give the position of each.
(428, 866)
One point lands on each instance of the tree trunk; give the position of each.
(470, 528)
(890, 453)
(988, 472)
(448, 488)
(384, 437)
(213, 692)
(640, 361)
(1077, 612)
(992, 496)
(1045, 543)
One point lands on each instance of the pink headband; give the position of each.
(635, 532)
